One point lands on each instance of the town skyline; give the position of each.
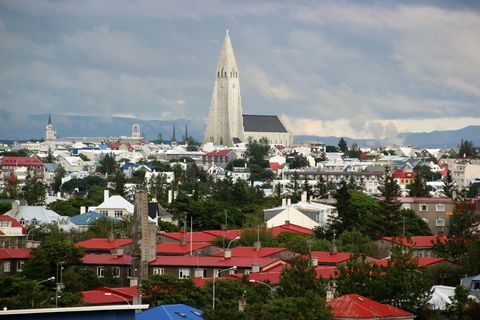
(328, 68)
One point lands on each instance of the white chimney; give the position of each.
(15, 207)
(289, 202)
(106, 195)
(314, 261)
(284, 202)
(227, 254)
(304, 196)
(257, 245)
(255, 267)
(83, 209)
(175, 194)
(59, 194)
(170, 196)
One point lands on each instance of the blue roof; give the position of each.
(50, 167)
(127, 166)
(171, 311)
(89, 217)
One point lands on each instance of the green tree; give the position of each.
(77, 278)
(108, 164)
(34, 192)
(120, 183)
(460, 301)
(414, 225)
(257, 151)
(418, 188)
(57, 179)
(297, 161)
(298, 278)
(389, 213)
(342, 145)
(449, 186)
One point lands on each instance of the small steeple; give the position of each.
(186, 132)
(49, 119)
(174, 139)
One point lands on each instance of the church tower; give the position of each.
(50, 134)
(225, 122)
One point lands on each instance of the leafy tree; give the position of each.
(18, 292)
(298, 278)
(331, 149)
(167, 289)
(356, 242)
(342, 145)
(466, 149)
(459, 304)
(86, 184)
(77, 278)
(354, 151)
(474, 190)
(298, 161)
(235, 163)
(257, 151)
(425, 173)
(449, 186)
(192, 144)
(83, 157)
(55, 248)
(34, 192)
(414, 225)
(12, 187)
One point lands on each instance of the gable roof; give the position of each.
(212, 261)
(106, 259)
(41, 215)
(355, 306)
(15, 253)
(177, 248)
(89, 217)
(14, 222)
(196, 236)
(103, 243)
(97, 296)
(263, 123)
(21, 161)
(290, 228)
(171, 312)
(331, 258)
(417, 241)
(116, 202)
(251, 252)
(421, 261)
(218, 153)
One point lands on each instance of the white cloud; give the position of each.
(265, 85)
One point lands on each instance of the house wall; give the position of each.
(278, 138)
(10, 267)
(433, 213)
(293, 216)
(125, 272)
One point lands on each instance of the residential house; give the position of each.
(117, 266)
(435, 211)
(403, 179)
(431, 264)
(305, 214)
(208, 266)
(114, 206)
(181, 249)
(258, 251)
(12, 260)
(218, 157)
(33, 215)
(11, 231)
(49, 173)
(21, 167)
(74, 164)
(84, 220)
(422, 245)
(158, 213)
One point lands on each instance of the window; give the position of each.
(440, 207)
(129, 272)
(183, 273)
(406, 206)
(4, 224)
(423, 207)
(104, 212)
(440, 222)
(6, 266)
(22, 222)
(100, 272)
(20, 266)
(159, 271)
(118, 213)
(116, 272)
(247, 272)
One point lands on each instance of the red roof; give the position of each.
(175, 247)
(97, 296)
(275, 166)
(218, 153)
(14, 222)
(210, 261)
(250, 252)
(107, 259)
(290, 228)
(229, 234)
(417, 241)
(423, 199)
(354, 306)
(21, 161)
(196, 236)
(421, 262)
(15, 253)
(103, 243)
(404, 175)
(331, 258)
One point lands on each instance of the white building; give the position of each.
(50, 133)
(305, 214)
(114, 206)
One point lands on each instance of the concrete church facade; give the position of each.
(226, 124)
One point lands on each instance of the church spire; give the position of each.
(49, 119)
(186, 132)
(173, 134)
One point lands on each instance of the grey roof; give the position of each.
(50, 167)
(262, 123)
(89, 217)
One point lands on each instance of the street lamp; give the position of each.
(264, 283)
(35, 227)
(35, 286)
(237, 238)
(116, 295)
(214, 278)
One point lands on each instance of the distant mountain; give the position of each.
(434, 139)
(33, 127)
(13, 126)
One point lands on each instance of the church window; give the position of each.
(218, 74)
(225, 74)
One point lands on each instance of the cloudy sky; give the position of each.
(344, 68)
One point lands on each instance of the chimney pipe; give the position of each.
(257, 245)
(314, 261)
(170, 196)
(284, 202)
(255, 268)
(227, 254)
(289, 202)
(83, 209)
(15, 207)
(304, 196)
(106, 195)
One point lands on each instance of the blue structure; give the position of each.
(171, 312)
(87, 218)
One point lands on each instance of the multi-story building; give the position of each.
(21, 167)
